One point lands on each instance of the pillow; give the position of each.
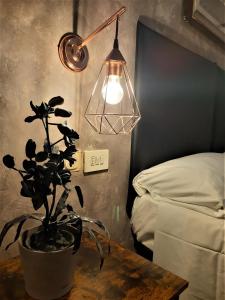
(196, 179)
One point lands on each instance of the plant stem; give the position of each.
(20, 172)
(45, 124)
(57, 142)
(49, 123)
(47, 134)
(47, 217)
(53, 200)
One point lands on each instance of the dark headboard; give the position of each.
(181, 98)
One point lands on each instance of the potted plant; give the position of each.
(47, 250)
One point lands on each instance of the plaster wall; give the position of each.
(30, 70)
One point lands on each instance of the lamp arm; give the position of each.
(103, 26)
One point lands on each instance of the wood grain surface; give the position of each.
(125, 275)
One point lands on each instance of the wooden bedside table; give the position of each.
(125, 275)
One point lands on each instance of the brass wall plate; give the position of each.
(73, 58)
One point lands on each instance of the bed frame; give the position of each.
(181, 98)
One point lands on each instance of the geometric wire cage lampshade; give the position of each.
(112, 107)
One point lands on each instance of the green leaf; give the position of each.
(65, 130)
(56, 179)
(29, 164)
(8, 161)
(55, 101)
(80, 195)
(77, 225)
(70, 150)
(33, 107)
(56, 157)
(41, 156)
(98, 245)
(62, 113)
(23, 193)
(42, 110)
(9, 225)
(69, 208)
(38, 200)
(30, 119)
(61, 203)
(27, 188)
(65, 176)
(71, 160)
(15, 221)
(30, 149)
(60, 166)
(105, 229)
(29, 176)
(101, 225)
(19, 228)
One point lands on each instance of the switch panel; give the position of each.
(96, 160)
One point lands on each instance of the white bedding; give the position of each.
(191, 245)
(180, 216)
(145, 215)
(196, 180)
(143, 219)
(185, 242)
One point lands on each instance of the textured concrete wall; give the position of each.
(30, 69)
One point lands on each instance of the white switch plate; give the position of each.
(96, 160)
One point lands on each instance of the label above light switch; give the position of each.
(96, 160)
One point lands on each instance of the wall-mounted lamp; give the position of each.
(112, 108)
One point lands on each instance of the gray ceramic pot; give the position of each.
(47, 275)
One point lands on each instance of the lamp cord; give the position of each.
(116, 42)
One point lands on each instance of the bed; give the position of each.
(176, 192)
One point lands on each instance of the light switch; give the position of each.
(96, 160)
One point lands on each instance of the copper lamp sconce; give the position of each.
(73, 51)
(112, 107)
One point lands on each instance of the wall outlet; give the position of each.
(78, 165)
(96, 160)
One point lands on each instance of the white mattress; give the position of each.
(186, 242)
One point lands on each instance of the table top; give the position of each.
(125, 275)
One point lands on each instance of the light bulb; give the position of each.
(112, 90)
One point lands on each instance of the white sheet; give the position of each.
(186, 242)
(143, 219)
(179, 214)
(191, 245)
(145, 213)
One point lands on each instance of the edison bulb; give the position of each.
(112, 90)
